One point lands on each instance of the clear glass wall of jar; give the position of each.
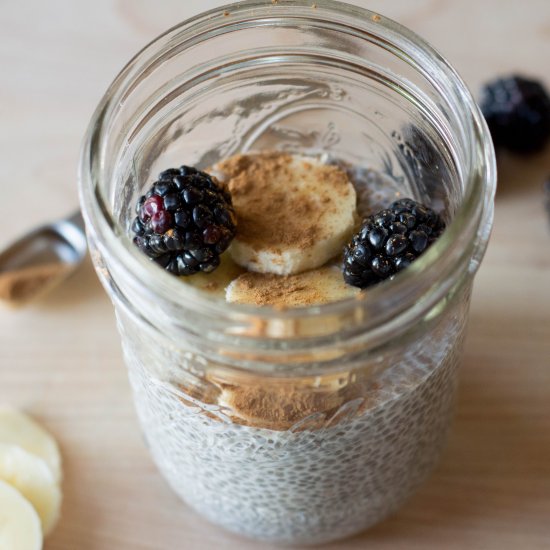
(306, 425)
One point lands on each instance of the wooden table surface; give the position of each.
(60, 359)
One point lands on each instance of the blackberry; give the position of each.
(185, 221)
(389, 241)
(517, 111)
(546, 189)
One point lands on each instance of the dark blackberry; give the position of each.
(517, 111)
(546, 190)
(185, 221)
(390, 241)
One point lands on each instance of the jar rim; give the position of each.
(411, 290)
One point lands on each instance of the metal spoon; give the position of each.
(41, 258)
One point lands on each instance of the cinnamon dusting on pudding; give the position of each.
(281, 404)
(278, 407)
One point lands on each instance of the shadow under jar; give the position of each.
(311, 424)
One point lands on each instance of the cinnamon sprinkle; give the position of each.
(305, 289)
(278, 406)
(21, 285)
(281, 404)
(273, 219)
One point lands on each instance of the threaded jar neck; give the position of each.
(335, 58)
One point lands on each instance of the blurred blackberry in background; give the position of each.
(546, 190)
(517, 111)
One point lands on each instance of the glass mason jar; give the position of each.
(310, 424)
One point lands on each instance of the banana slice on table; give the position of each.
(316, 287)
(19, 522)
(17, 428)
(294, 213)
(31, 476)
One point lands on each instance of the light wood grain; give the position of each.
(60, 359)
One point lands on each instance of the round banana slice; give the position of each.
(31, 476)
(17, 428)
(19, 522)
(312, 288)
(294, 213)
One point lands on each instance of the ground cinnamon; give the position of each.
(271, 218)
(282, 404)
(311, 288)
(21, 285)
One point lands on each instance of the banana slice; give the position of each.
(294, 213)
(31, 476)
(18, 429)
(19, 522)
(216, 282)
(316, 287)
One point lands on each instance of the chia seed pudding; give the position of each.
(306, 486)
